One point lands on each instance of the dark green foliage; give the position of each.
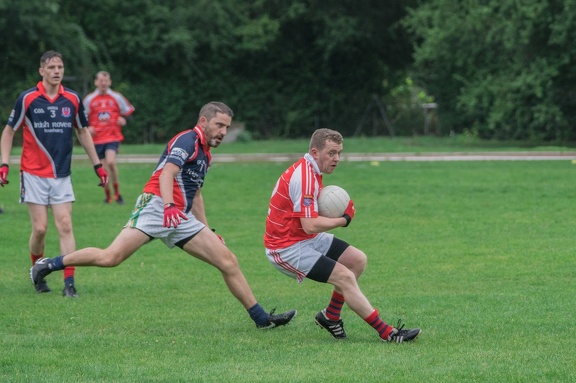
(499, 69)
(286, 68)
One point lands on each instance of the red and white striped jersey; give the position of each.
(103, 112)
(294, 196)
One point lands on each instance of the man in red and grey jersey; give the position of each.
(49, 114)
(298, 245)
(108, 111)
(171, 209)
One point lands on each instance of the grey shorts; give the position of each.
(45, 191)
(298, 260)
(148, 217)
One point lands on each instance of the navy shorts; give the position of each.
(102, 148)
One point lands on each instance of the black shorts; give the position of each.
(322, 270)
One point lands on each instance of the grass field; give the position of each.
(480, 255)
(415, 144)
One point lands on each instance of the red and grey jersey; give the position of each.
(188, 150)
(48, 129)
(103, 112)
(293, 197)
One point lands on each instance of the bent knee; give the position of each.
(342, 276)
(109, 259)
(227, 263)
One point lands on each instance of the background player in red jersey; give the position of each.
(171, 209)
(48, 114)
(297, 243)
(108, 111)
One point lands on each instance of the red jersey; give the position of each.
(294, 196)
(103, 112)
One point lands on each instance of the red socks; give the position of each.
(116, 190)
(335, 307)
(69, 272)
(34, 258)
(382, 327)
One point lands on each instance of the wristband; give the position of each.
(348, 220)
(8, 166)
(96, 167)
(167, 205)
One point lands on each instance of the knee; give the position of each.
(228, 263)
(355, 260)
(361, 260)
(344, 278)
(108, 258)
(39, 231)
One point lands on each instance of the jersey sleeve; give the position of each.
(17, 114)
(182, 149)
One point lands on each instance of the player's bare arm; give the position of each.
(166, 180)
(7, 140)
(198, 208)
(321, 224)
(85, 139)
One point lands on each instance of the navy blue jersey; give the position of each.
(48, 129)
(191, 153)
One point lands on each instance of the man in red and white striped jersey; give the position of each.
(297, 243)
(108, 111)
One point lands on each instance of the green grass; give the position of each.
(372, 145)
(480, 255)
(416, 144)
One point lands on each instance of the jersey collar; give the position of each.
(200, 132)
(308, 157)
(42, 90)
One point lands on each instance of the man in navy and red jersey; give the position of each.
(171, 209)
(108, 111)
(49, 115)
(297, 243)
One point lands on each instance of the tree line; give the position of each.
(496, 69)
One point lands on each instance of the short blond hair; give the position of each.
(320, 136)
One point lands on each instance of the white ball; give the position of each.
(332, 201)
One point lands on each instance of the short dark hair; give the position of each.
(209, 110)
(49, 55)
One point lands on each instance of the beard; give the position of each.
(214, 143)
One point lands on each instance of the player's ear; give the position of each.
(203, 121)
(314, 152)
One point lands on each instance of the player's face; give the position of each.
(329, 157)
(102, 83)
(52, 71)
(216, 128)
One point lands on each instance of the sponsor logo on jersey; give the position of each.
(308, 200)
(179, 153)
(103, 116)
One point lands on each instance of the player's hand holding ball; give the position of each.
(101, 173)
(173, 216)
(4, 175)
(349, 213)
